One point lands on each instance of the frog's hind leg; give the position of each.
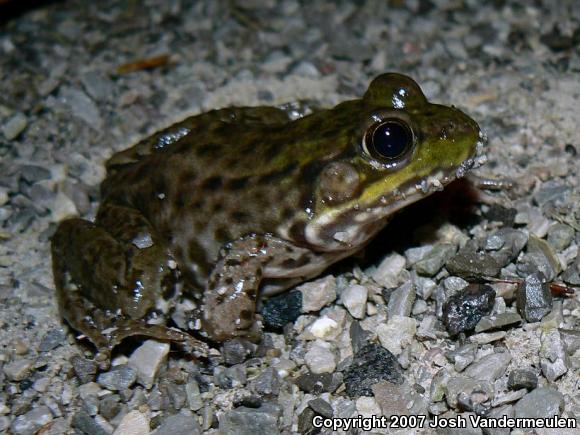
(105, 286)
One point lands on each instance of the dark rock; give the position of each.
(315, 383)
(358, 336)
(52, 340)
(540, 403)
(497, 321)
(32, 173)
(522, 378)
(321, 407)
(236, 351)
(85, 423)
(572, 274)
(462, 311)
(118, 378)
(85, 369)
(534, 298)
(560, 236)
(305, 425)
(249, 421)
(510, 241)
(109, 406)
(470, 263)
(267, 383)
(372, 364)
(179, 424)
(501, 214)
(283, 309)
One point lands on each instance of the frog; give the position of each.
(236, 204)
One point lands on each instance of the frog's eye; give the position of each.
(388, 140)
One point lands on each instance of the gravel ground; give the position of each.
(385, 333)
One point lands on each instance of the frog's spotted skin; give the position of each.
(240, 200)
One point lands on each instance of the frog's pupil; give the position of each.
(391, 139)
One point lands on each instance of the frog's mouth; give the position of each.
(352, 227)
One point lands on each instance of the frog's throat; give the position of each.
(355, 226)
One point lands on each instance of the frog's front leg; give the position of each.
(229, 302)
(110, 276)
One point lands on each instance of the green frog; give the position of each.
(237, 203)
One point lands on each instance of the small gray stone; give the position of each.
(147, 359)
(432, 263)
(248, 421)
(194, 398)
(541, 257)
(134, 423)
(462, 356)
(321, 407)
(397, 333)
(560, 236)
(534, 298)
(320, 358)
(354, 298)
(454, 284)
(512, 242)
(496, 321)
(317, 294)
(34, 173)
(489, 367)
(401, 301)
(540, 403)
(237, 350)
(179, 424)
(84, 369)
(387, 272)
(18, 370)
(87, 425)
(267, 383)
(439, 385)
(32, 421)
(14, 126)
(572, 274)
(457, 385)
(81, 106)
(506, 410)
(52, 339)
(522, 378)
(109, 406)
(554, 360)
(118, 378)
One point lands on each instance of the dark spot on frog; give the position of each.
(207, 150)
(286, 214)
(222, 235)
(186, 178)
(290, 263)
(296, 232)
(229, 280)
(212, 183)
(197, 255)
(246, 315)
(240, 217)
(237, 183)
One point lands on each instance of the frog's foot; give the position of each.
(111, 282)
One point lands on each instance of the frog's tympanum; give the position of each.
(240, 202)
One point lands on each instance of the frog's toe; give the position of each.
(128, 328)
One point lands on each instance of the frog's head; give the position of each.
(403, 149)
